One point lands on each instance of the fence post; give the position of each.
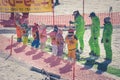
(53, 14)
(74, 69)
(110, 13)
(11, 45)
(83, 9)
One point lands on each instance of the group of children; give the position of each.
(40, 34)
(58, 42)
(23, 31)
(22, 28)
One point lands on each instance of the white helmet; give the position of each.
(17, 15)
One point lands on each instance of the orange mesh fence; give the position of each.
(59, 19)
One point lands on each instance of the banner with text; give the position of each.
(34, 6)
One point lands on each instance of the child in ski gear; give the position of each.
(35, 34)
(43, 36)
(53, 40)
(71, 42)
(60, 43)
(25, 31)
(18, 27)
